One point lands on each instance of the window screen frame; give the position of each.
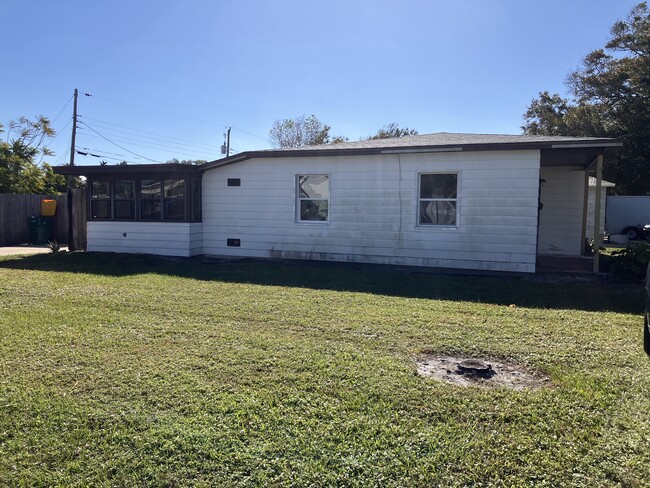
(190, 215)
(298, 199)
(456, 224)
(109, 199)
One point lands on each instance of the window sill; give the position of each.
(446, 228)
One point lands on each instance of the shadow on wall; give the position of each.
(381, 280)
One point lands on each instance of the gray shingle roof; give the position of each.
(440, 141)
(444, 139)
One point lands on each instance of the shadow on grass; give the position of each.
(381, 280)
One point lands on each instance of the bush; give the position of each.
(630, 263)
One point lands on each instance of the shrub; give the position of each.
(630, 263)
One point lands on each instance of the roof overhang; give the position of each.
(552, 153)
(141, 169)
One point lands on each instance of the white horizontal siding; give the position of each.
(560, 220)
(373, 210)
(163, 238)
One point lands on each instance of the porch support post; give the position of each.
(585, 212)
(597, 237)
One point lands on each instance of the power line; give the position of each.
(105, 152)
(175, 115)
(49, 143)
(61, 111)
(121, 147)
(156, 139)
(103, 122)
(149, 146)
(81, 153)
(61, 158)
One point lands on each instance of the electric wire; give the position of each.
(171, 138)
(121, 147)
(131, 142)
(61, 111)
(49, 143)
(175, 115)
(61, 158)
(157, 140)
(80, 153)
(101, 151)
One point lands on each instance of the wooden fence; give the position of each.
(16, 210)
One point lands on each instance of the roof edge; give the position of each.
(604, 143)
(125, 168)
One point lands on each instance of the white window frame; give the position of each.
(456, 200)
(297, 199)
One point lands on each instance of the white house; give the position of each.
(465, 201)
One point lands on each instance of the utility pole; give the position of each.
(71, 236)
(225, 147)
(74, 127)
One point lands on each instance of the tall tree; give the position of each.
(300, 131)
(610, 98)
(21, 170)
(392, 130)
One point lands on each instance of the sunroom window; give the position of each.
(438, 199)
(174, 199)
(156, 197)
(100, 200)
(150, 200)
(124, 200)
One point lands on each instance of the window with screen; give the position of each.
(124, 200)
(313, 198)
(150, 200)
(100, 200)
(438, 199)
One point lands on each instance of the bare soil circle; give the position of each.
(487, 373)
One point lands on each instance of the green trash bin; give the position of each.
(40, 230)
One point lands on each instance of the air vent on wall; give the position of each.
(234, 182)
(233, 242)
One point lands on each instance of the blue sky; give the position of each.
(167, 77)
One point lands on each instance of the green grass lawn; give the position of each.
(122, 371)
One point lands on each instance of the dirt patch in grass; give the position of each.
(489, 372)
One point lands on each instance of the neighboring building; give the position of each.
(464, 201)
(591, 209)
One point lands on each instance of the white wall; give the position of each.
(560, 220)
(164, 238)
(373, 207)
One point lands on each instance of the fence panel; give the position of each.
(15, 211)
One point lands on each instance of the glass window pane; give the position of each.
(314, 186)
(100, 189)
(150, 189)
(437, 213)
(175, 188)
(100, 209)
(438, 186)
(174, 209)
(313, 209)
(124, 190)
(150, 209)
(124, 209)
